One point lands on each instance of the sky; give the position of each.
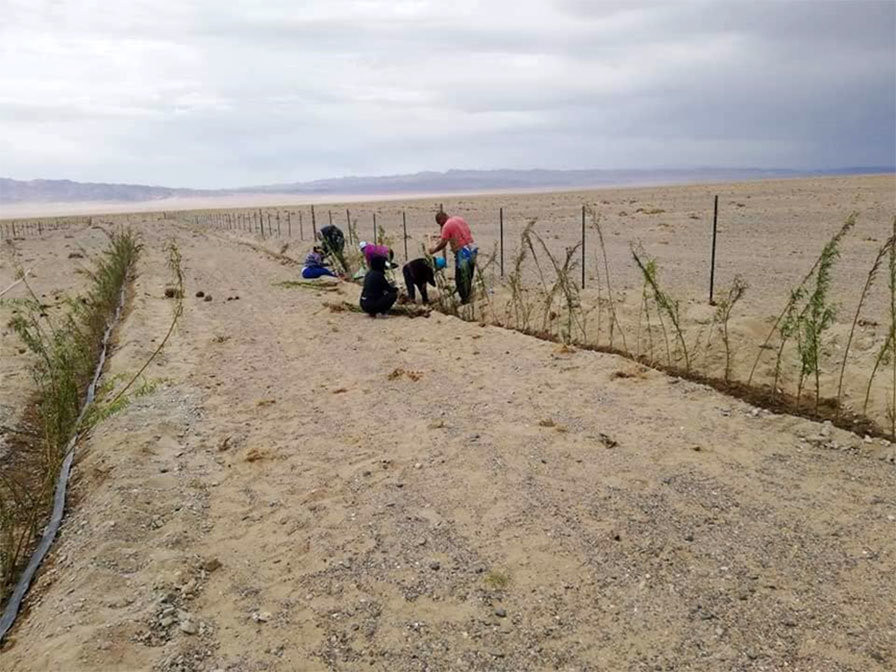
(206, 94)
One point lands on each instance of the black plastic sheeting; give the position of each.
(18, 595)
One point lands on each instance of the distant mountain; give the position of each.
(485, 180)
(429, 182)
(49, 191)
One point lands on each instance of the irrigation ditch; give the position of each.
(70, 354)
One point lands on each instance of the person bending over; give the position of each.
(333, 243)
(456, 231)
(314, 265)
(418, 273)
(378, 295)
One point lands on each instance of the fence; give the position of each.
(407, 231)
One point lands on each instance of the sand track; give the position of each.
(281, 503)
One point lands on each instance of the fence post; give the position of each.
(374, 229)
(501, 229)
(301, 226)
(330, 216)
(583, 247)
(313, 225)
(404, 228)
(288, 224)
(348, 225)
(712, 263)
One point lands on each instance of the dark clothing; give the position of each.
(378, 295)
(381, 306)
(464, 269)
(333, 241)
(332, 238)
(418, 273)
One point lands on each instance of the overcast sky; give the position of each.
(212, 93)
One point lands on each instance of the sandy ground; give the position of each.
(309, 490)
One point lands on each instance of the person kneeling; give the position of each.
(378, 295)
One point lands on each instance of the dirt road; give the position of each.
(310, 490)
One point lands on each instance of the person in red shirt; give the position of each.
(456, 232)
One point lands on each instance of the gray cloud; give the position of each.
(193, 94)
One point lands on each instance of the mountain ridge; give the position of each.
(452, 180)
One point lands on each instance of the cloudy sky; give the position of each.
(205, 93)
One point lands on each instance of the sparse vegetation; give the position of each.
(496, 580)
(66, 348)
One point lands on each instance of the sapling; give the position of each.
(887, 352)
(885, 249)
(789, 310)
(566, 285)
(664, 302)
(816, 319)
(723, 314)
(614, 319)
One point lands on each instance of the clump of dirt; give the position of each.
(639, 373)
(254, 455)
(399, 372)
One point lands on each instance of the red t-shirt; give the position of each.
(457, 232)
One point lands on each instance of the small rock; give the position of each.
(501, 612)
(261, 616)
(200, 294)
(189, 627)
(208, 297)
(167, 621)
(435, 565)
(211, 565)
(417, 465)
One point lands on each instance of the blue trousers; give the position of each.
(312, 272)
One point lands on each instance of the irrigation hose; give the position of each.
(37, 557)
